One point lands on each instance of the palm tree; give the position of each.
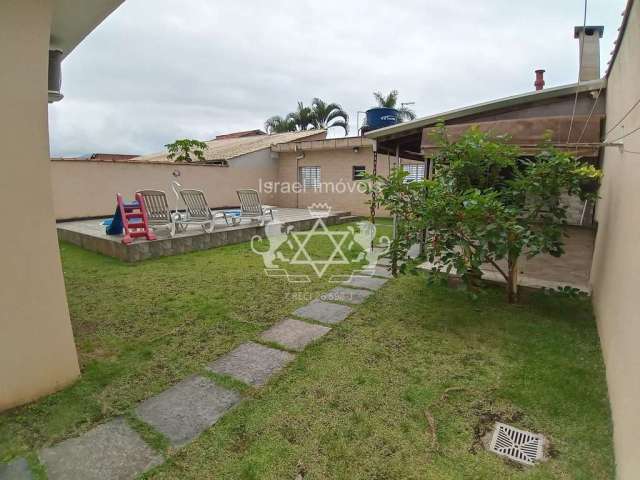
(277, 124)
(302, 118)
(327, 115)
(391, 101)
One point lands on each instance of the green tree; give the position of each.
(277, 124)
(183, 150)
(328, 115)
(485, 204)
(391, 101)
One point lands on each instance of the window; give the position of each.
(358, 172)
(310, 177)
(415, 171)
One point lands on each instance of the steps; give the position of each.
(134, 211)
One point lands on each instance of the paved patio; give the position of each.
(91, 235)
(545, 271)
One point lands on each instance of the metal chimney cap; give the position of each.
(588, 30)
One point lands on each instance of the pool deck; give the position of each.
(91, 235)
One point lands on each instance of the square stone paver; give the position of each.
(252, 363)
(17, 469)
(382, 271)
(185, 410)
(346, 295)
(370, 283)
(112, 450)
(324, 312)
(294, 334)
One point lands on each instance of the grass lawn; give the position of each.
(402, 389)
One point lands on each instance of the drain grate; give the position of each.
(518, 445)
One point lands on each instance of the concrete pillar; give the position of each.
(37, 353)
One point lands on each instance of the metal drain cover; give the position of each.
(517, 445)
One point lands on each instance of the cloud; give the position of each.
(159, 70)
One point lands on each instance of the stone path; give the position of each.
(252, 363)
(181, 413)
(346, 295)
(187, 409)
(18, 469)
(324, 312)
(110, 451)
(370, 283)
(294, 334)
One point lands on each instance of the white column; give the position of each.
(37, 352)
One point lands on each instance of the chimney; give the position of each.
(589, 48)
(539, 83)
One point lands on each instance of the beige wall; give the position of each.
(37, 354)
(616, 263)
(335, 167)
(88, 189)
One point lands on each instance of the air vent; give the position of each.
(517, 445)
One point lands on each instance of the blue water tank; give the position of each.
(381, 117)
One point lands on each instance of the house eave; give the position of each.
(417, 125)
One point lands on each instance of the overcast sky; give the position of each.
(158, 70)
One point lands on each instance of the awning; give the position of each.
(529, 133)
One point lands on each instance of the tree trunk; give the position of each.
(512, 281)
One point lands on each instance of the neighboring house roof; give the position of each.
(324, 144)
(246, 133)
(515, 100)
(228, 148)
(98, 157)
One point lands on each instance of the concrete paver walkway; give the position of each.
(115, 451)
(110, 451)
(294, 334)
(184, 411)
(18, 469)
(370, 283)
(346, 295)
(324, 312)
(252, 363)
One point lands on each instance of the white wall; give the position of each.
(616, 263)
(88, 188)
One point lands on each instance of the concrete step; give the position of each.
(349, 218)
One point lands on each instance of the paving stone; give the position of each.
(324, 312)
(370, 283)
(346, 295)
(386, 262)
(294, 334)
(110, 451)
(382, 271)
(252, 363)
(185, 410)
(17, 469)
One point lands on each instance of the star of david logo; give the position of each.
(319, 229)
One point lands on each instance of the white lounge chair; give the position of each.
(158, 211)
(251, 207)
(198, 211)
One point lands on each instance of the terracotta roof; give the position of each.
(246, 133)
(228, 148)
(618, 41)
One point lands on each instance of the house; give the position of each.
(598, 119)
